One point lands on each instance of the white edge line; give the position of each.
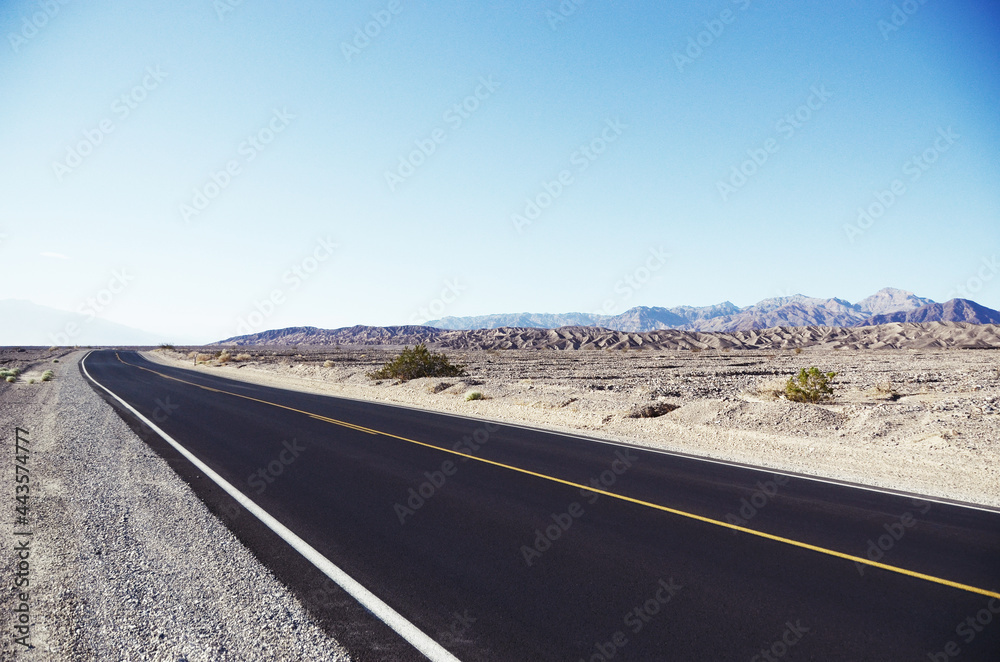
(623, 444)
(404, 628)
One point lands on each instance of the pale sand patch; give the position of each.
(923, 421)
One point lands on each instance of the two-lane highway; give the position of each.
(497, 542)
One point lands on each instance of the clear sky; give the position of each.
(200, 158)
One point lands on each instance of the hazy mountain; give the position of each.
(26, 323)
(802, 311)
(793, 310)
(639, 318)
(956, 310)
(891, 300)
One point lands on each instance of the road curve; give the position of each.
(499, 542)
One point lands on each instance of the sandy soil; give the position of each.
(922, 421)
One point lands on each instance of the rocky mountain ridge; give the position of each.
(794, 310)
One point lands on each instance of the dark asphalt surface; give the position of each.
(620, 580)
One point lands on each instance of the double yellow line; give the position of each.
(647, 504)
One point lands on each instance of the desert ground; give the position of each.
(923, 421)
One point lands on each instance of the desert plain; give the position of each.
(923, 421)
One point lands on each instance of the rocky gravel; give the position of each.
(126, 563)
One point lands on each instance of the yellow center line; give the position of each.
(655, 506)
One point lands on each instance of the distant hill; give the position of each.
(794, 310)
(26, 323)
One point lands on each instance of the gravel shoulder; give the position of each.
(924, 421)
(126, 562)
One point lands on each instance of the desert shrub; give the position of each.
(224, 356)
(11, 379)
(810, 386)
(55, 360)
(31, 381)
(166, 345)
(10, 372)
(418, 362)
(48, 375)
(203, 358)
(474, 395)
(243, 357)
(798, 350)
(328, 363)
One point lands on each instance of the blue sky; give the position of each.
(424, 149)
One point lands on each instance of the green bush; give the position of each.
(418, 362)
(810, 386)
(11, 379)
(48, 375)
(474, 395)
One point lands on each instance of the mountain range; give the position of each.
(885, 306)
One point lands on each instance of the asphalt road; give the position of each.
(484, 537)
